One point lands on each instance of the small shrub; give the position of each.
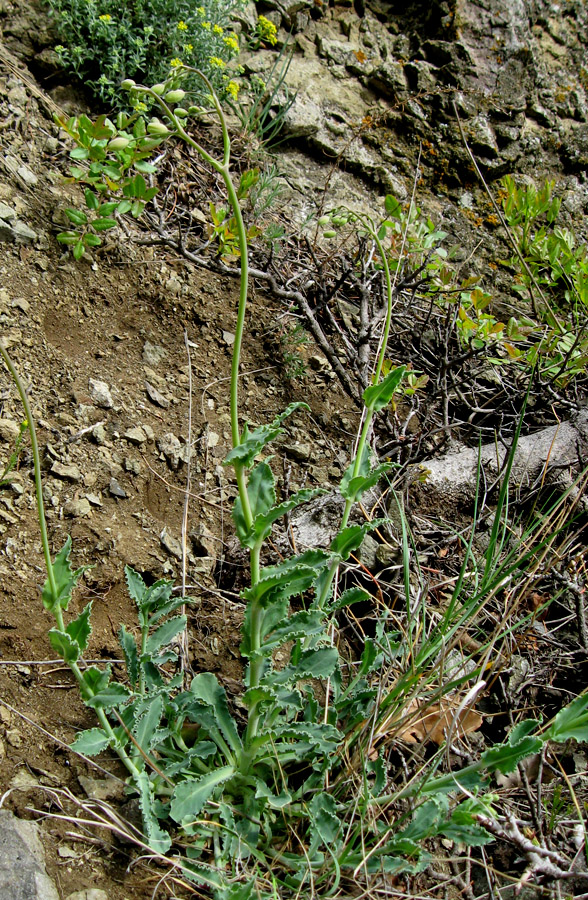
(105, 42)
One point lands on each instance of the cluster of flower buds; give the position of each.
(336, 219)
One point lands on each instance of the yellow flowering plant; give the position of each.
(103, 42)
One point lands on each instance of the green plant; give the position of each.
(14, 456)
(299, 789)
(292, 339)
(105, 41)
(263, 111)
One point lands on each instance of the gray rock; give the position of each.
(174, 452)
(300, 451)
(29, 177)
(66, 472)
(22, 861)
(7, 213)
(155, 396)
(152, 354)
(99, 434)
(100, 393)
(77, 509)
(117, 490)
(170, 544)
(9, 430)
(16, 232)
(102, 788)
(135, 435)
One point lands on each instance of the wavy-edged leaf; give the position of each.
(163, 635)
(65, 580)
(324, 737)
(253, 442)
(273, 614)
(94, 680)
(298, 625)
(147, 723)
(320, 662)
(110, 697)
(325, 824)
(379, 395)
(351, 538)
(276, 801)
(262, 496)
(90, 742)
(65, 645)
(80, 629)
(504, 758)
(129, 649)
(190, 797)
(206, 688)
(349, 597)
(353, 488)
(263, 523)
(280, 585)
(158, 839)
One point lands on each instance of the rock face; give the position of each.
(22, 865)
(369, 87)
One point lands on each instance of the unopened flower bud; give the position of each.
(128, 84)
(159, 89)
(118, 143)
(155, 126)
(175, 96)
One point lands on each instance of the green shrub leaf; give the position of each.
(570, 722)
(379, 395)
(190, 797)
(90, 742)
(65, 645)
(110, 697)
(207, 689)
(253, 443)
(80, 629)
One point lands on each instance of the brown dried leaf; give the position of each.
(432, 722)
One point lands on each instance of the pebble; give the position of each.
(172, 449)
(77, 509)
(100, 393)
(99, 434)
(155, 396)
(88, 894)
(117, 490)
(135, 435)
(132, 465)
(152, 353)
(67, 472)
(300, 451)
(9, 430)
(170, 544)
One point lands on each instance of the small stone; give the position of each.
(88, 894)
(212, 438)
(29, 177)
(66, 472)
(135, 435)
(22, 861)
(172, 449)
(203, 541)
(99, 434)
(77, 509)
(116, 489)
(66, 852)
(132, 465)
(170, 544)
(102, 788)
(300, 451)
(7, 213)
(9, 430)
(93, 499)
(228, 338)
(152, 354)
(155, 396)
(22, 234)
(14, 738)
(100, 393)
(21, 303)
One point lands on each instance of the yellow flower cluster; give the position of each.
(233, 88)
(182, 26)
(105, 18)
(266, 30)
(232, 42)
(217, 29)
(175, 63)
(217, 62)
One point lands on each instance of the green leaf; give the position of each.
(80, 629)
(79, 153)
(505, 758)
(76, 216)
(158, 840)
(104, 224)
(163, 636)
(352, 488)
(207, 689)
(570, 722)
(349, 597)
(63, 644)
(91, 240)
(351, 538)
(124, 207)
(325, 737)
(190, 797)
(279, 801)
(148, 723)
(262, 496)
(301, 624)
(315, 663)
(263, 523)
(147, 168)
(94, 680)
(110, 697)
(92, 201)
(68, 237)
(393, 207)
(324, 821)
(252, 443)
(78, 250)
(379, 395)
(281, 586)
(65, 580)
(90, 742)
(129, 649)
